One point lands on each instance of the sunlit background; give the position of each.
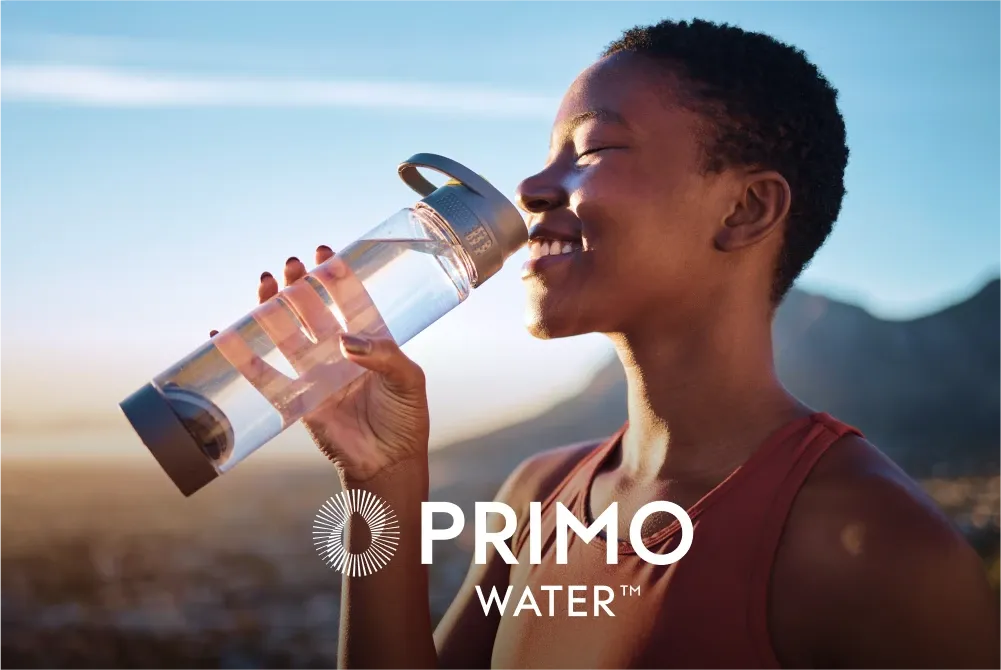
(160, 156)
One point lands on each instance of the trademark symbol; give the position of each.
(628, 590)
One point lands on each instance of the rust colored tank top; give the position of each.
(707, 610)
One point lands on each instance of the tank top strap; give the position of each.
(574, 484)
(824, 433)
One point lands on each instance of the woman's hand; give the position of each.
(381, 418)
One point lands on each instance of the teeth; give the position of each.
(540, 248)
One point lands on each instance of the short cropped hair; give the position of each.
(767, 106)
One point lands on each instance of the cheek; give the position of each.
(607, 201)
(636, 215)
(630, 185)
(614, 174)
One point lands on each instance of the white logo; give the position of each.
(331, 523)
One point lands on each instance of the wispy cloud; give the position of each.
(111, 87)
(153, 53)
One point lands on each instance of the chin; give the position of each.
(551, 324)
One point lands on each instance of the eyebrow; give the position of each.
(568, 128)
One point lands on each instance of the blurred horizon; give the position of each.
(71, 439)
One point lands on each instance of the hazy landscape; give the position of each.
(111, 567)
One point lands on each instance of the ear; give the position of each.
(762, 206)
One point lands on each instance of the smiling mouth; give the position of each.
(548, 253)
(539, 248)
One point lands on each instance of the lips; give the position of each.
(553, 243)
(549, 254)
(540, 247)
(559, 230)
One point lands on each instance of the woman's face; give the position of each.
(623, 193)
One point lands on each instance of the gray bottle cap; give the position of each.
(487, 225)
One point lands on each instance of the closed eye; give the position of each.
(596, 150)
(590, 151)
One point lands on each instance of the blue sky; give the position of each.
(160, 156)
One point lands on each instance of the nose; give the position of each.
(540, 193)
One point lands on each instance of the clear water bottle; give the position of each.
(256, 378)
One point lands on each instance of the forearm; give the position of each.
(386, 616)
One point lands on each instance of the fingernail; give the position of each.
(291, 259)
(356, 345)
(324, 247)
(213, 333)
(266, 275)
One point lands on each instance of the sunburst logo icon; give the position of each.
(332, 521)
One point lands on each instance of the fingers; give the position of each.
(267, 289)
(279, 390)
(299, 323)
(294, 270)
(314, 316)
(355, 307)
(384, 356)
(323, 254)
(282, 325)
(284, 321)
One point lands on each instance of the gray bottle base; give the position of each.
(165, 435)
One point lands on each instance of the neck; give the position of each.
(700, 398)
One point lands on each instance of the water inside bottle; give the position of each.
(410, 281)
(361, 253)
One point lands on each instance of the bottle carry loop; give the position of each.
(411, 176)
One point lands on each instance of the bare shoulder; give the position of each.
(537, 476)
(859, 512)
(877, 510)
(896, 578)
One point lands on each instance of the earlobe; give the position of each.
(762, 207)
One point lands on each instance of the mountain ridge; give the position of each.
(926, 391)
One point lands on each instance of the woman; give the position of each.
(693, 172)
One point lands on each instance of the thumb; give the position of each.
(385, 357)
